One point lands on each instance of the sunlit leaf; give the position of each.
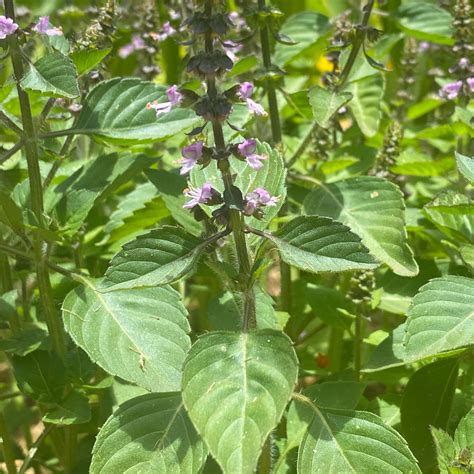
(235, 388)
(149, 434)
(140, 335)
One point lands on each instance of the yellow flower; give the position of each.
(323, 65)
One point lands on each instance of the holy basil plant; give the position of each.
(236, 237)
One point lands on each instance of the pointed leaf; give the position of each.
(149, 434)
(420, 411)
(73, 410)
(54, 75)
(326, 103)
(352, 442)
(366, 103)
(440, 318)
(235, 389)
(115, 111)
(465, 166)
(373, 208)
(464, 435)
(86, 60)
(318, 244)
(445, 450)
(162, 256)
(140, 335)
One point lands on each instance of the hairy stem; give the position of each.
(236, 220)
(36, 189)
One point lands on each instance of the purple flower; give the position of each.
(198, 195)
(174, 98)
(248, 149)
(136, 44)
(174, 15)
(7, 27)
(237, 20)
(451, 90)
(463, 63)
(43, 27)
(259, 198)
(245, 92)
(424, 46)
(191, 155)
(166, 31)
(470, 83)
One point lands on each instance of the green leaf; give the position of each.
(373, 208)
(326, 103)
(341, 394)
(318, 244)
(270, 177)
(467, 254)
(73, 199)
(366, 103)
(40, 375)
(235, 389)
(86, 59)
(465, 166)
(426, 21)
(149, 434)
(171, 187)
(54, 75)
(389, 353)
(28, 339)
(351, 442)
(226, 311)
(464, 435)
(329, 305)
(10, 213)
(445, 450)
(427, 402)
(162, 256)
(137, 334)
(115, 111)
(440, 318)
(73, 410)
(306, 29)
(453, 214)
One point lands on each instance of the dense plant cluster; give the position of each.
(236, 236)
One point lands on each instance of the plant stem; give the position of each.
(236, 220)
(7, 444)
(31, 150)
(357, 344)
(358, 42)
(14, 149)
(270, 84)
(10, 123)
(285, 269)
(6, 284)
(335, 349)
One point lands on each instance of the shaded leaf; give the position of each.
(74, 409)
(427, 402)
